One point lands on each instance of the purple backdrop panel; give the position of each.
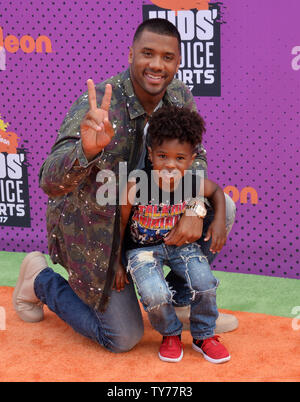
(252, 137)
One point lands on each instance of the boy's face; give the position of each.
(170, 160)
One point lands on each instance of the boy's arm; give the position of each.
(121, 277)
(217, 229)
(126, 207)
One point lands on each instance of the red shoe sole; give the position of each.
(210, 359)
(170, 359)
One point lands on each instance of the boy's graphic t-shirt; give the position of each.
(150, 222)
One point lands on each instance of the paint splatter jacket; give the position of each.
(83, 235)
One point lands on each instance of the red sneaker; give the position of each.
(171, 349)
(212, 350)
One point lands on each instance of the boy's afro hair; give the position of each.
(173, 122)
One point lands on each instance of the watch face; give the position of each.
(200, 211)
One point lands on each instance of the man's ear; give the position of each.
(194, 156)
(178, 65)
(130, 56)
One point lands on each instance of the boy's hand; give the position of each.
(216, 231)
(120, 278)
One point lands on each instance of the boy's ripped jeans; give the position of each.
(190, 264)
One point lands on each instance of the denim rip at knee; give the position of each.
(199, 281)
(143, 266)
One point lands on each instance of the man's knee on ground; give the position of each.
(230, 212)
(230, 205)
(125, 342)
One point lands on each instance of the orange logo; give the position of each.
(243, 195)
(8, 140)
(177, 5)
(12, 44)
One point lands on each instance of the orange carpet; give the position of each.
(263, 348)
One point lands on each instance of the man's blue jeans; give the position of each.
(118, 329)
(188, 263)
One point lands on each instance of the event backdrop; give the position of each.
(241, 60)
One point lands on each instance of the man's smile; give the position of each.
(154, 78)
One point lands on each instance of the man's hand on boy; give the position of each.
(120, 278)
(217, 232)
(187, 230)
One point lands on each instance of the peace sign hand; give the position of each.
(96, 129)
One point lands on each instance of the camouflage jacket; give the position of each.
(83, 235)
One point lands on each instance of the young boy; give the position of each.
(173, 134)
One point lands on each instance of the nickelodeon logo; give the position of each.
(177, 5)
(247, 193)
(26, 43)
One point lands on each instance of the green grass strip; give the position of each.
(258, 293)
(236, 292)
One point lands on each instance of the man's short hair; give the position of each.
(159, 26)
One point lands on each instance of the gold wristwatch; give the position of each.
(198, 208)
